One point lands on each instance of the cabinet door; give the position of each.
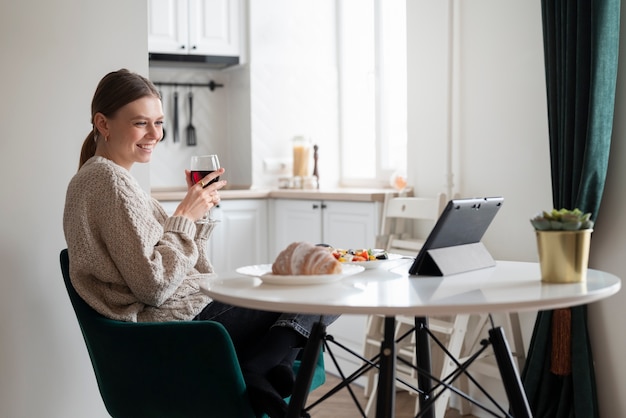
(296, 220)
(167, 26)
(350, 224)
(240, 238)
(214, 27)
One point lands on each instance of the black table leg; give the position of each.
(422, 351)
(386, 399)
(518, 403)
(308, 363)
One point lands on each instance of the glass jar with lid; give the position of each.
(301, 156)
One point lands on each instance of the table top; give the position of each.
(510, 286)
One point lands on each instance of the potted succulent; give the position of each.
(563, 240)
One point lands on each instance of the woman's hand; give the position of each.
(199, 200)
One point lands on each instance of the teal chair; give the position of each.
(165, 369)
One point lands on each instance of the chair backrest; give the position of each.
(400, 232)
(166, 369)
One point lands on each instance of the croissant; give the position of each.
(303, 258)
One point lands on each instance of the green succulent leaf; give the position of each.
(540, 224)
(571, 226)
(562, 219)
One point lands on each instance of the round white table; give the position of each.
(508, 287)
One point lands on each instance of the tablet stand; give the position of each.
(456, 259)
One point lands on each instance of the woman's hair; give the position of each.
(115, 90)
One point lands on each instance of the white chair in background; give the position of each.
(405, 225)
(402, 215)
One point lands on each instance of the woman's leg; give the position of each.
(275, 354)
(266, 344)
(248, 327)
(260, 348)
(303, 323)
(245, 326)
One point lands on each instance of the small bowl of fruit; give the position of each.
(369, 258)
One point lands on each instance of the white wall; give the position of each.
(53, 55)
(496, 122)
(494, 118)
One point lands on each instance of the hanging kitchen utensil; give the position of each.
(163, 105)
(176, 116)
(191, 130)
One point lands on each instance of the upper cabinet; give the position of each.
(184, 30)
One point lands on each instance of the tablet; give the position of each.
(462, 222)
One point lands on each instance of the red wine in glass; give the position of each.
(197, 175)
(202, 166)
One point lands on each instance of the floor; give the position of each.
(341, 404)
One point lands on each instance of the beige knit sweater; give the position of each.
(128, 259)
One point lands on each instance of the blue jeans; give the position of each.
(248, 326)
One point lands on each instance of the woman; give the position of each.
(130, 261)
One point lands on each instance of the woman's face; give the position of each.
(132, 133)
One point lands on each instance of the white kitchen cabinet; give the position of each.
(295, 220)
(341, 224)
(240, 237)
(194, 27)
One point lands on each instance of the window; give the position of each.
(372, 72)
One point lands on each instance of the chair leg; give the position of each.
(455, 345)
(518, 342)
(370, 408)
(373, 337)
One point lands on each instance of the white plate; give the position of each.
(264, 272)
(374, 264)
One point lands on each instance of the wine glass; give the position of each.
(201, 166)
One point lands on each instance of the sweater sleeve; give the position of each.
(203, 234)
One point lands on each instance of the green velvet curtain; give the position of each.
(581, 39)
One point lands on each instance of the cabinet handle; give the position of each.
(182, 47)
(194, 47)
(316, 206)
(323, 206)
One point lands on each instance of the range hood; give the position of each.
(206, 61)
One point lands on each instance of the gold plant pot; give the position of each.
(564, 255)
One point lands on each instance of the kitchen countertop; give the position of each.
(344, 194)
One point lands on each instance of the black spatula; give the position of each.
(191, 130)
(175, 138)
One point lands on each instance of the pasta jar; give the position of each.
(301, 156)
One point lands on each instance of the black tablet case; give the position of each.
(453, 246)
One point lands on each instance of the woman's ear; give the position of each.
(101, 124)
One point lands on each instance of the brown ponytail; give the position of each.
(115, 90)
(88, 150)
